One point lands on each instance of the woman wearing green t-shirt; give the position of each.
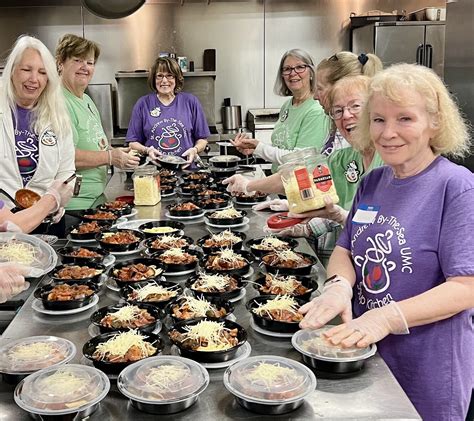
(302, 122)
(75, 59)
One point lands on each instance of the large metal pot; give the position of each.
(112, 9)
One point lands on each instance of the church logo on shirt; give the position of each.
(170, 137)
(375, 265)
(352, 172)
(48, 138)
(155, 112)
(284, 116)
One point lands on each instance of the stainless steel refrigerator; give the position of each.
(459, 59)
(403, 42)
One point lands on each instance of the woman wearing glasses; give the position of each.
(168, 121)
(75, 60)
(302, 122)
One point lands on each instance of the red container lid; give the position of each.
(126, 199)
(281, 220)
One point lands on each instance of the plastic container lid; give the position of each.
(27, 355)
(309, 342)
(62, 390)
(172, 159)
(281, 220)
(163, 380)
(269, 380)
(41, 260)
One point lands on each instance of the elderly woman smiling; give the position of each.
(406, 256)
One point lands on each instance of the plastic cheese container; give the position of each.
(307, 180)
(146, 186)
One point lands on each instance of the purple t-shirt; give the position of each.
(172, 129)
(26, 145)
(422, 234)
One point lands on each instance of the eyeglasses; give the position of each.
(336, 113)
(161, 76)
(286, 71)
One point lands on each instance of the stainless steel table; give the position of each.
(373, 394)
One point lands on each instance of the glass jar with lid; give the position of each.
(307, 180)
(146, 186)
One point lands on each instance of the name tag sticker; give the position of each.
(365, 214)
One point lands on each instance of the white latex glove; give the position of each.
(58, 215)
(190, 156)
(298, 230)
(330, 211)
(275, 205)
(153, 153)
(61, 193)
(371, 327)
(335, 299)
(237, 184)
(9, 226)
(12, 280)
(121, 158)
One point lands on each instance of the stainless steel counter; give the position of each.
(373, 394)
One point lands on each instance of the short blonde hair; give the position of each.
(452, 131)
(345, 64)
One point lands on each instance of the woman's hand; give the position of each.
(61, 193)
(12, 280)
(330, 211)
(279, 205)
(153, 153)
(123, 159)
(335, 300)
(298, 230)
(190, 156)
(371, 327)
(237, 184)
(244, 144)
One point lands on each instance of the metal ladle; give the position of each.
(17, 204)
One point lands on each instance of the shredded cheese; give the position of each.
(226, 235)
(17, 251)
(229, 255)
(272, 243)
(169, 238)
(166, 377)
(175, 252)
(271, 375)
(211, 282)
(199, 306)
(281, 302)
(32, 352)
(288, 255)
(288, 284)
(62, 382)
(119, 345)
(226, 213)
(160, 230)
(211, 331)
(126, 314)
(154, 288)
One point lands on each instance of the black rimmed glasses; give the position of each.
(354, 108)
(286, 71)
(161, 76)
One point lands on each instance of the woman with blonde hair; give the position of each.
(36, 150)
(404, 263)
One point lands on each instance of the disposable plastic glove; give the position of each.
(371, 327)
(153, 153)
(9, 226)
(275, 205)
(61, 193)
(190, 156)
(58, 215)
(237, 184)
(121, 158)
(335, 300)
(330, 211)
(12, 280)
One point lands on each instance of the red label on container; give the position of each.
(302, 178)
(322, 178)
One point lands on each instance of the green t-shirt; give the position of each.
(88, 135)
(347, 170)
(304, 126)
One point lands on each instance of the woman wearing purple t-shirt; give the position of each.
(168, 121)
(405, 264)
